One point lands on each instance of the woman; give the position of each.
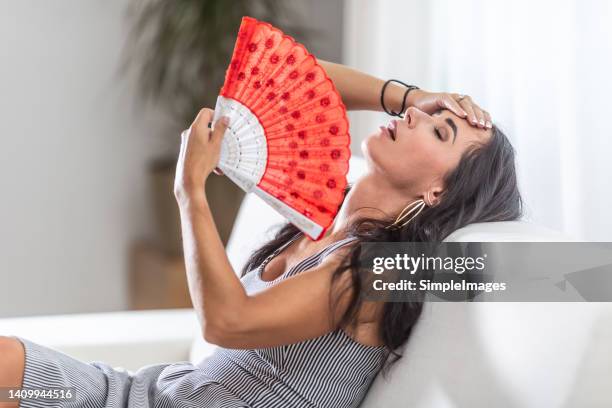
(294, 330)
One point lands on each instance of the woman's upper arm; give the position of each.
(295, 309)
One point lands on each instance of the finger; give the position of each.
(466, 104)
(488, 119)
(480, 118)
(219, 129)
(204, 116)
(453, 106)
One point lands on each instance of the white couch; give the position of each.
(477, 355)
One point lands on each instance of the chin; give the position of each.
(370, 151)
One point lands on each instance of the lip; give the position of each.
(392, 129)
(387, 132)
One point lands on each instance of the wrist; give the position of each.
(414, 96)
(193, 204)
(394, 95)
(189, 195)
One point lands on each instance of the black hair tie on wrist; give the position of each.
(403, 108)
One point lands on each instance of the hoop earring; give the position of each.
(414, 209)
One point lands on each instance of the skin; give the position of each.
(412, 162)
(399, 171)
(12, 362)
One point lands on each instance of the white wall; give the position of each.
(73, 157)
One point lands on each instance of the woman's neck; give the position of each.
(369, 197)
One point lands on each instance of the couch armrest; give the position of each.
(122, 339)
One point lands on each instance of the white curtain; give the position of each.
(542, 68)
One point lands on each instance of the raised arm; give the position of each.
(228, 315)
(361, 91)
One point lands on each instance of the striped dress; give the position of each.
(332, 370)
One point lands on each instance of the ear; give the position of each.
(432, 195)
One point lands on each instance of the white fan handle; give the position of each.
(244, 151)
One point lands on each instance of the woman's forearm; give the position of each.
(216, 292)
(361, 91)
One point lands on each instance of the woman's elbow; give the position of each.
(221, 331)
(212, 336)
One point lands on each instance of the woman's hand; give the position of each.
(199, 155)
(460, 105)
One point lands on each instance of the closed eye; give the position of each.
(438, 134)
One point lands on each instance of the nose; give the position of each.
(413, 116)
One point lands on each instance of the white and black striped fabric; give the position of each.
(332, 370)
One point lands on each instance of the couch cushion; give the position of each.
(507, 231)
(485, 355)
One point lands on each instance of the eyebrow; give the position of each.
(451, 123)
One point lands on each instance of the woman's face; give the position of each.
(416, 152)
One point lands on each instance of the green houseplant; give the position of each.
(181, 49)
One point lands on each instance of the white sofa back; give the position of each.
(481, 354)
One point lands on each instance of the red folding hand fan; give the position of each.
(288, 138)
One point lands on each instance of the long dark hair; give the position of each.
(482, 188)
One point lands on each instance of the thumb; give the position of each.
(219, 129)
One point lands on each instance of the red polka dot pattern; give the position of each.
(302, 115)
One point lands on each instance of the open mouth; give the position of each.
(387, 132)
(390, 130)
(392, 127)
